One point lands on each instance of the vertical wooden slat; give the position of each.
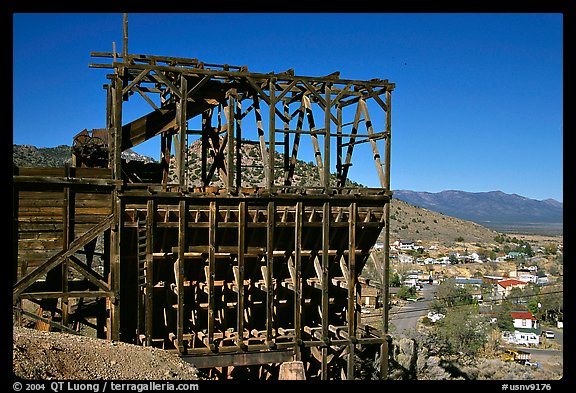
(271, 135)
(182, 223)
(269, 272)
(386, 265)
(327, 139)
(314, 136)
(150, 233)
(182, 126)
(117, 113)
(352, 322)
(325, 283)
(297, 281)
(339, 167)
(286, 144)
(211, 271)
(240, 283)
(68, 236)
(230, 147)
(388, 139)
(115, 268)
(115, 304)
(238, 118)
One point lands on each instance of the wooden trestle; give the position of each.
(225, 274)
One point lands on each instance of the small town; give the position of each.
(512, 290)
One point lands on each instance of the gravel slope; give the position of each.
(41, 355)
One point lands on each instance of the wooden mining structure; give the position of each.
(235, 277)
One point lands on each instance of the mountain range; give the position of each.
(493, 209)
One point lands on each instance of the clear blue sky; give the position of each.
(478, 104)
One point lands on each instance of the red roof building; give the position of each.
(505, 286)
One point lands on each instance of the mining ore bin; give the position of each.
(235, 277)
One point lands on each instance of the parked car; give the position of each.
(549, 334)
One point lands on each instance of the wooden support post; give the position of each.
(325, 284)
(271, 136)
(238, 144)
(352, 322)
(240, 279)
(115, 268)
(314, 136)
(68, 221)
(386, 264)
(182, 223)
(182, 128)
(230, 148)
(117, 114)
(388, 140)
(286, 143)
(149, 289)
(269, 273)
(339, 167)
(116, 165)
(384, 360)
(211, 271)
(327, 120)
(297, 281)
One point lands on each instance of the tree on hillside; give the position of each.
(450, 295)
(504, 318)
(463, 330)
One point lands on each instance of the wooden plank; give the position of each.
(240, 278)
(351, 281)
(182, 128)
(327, 139)
(270, 319)
(78, 243)
(149, 292)
(180, 275)
(271, 137)
(211, 273)
(298, 281)
(240, 359)
(229, 111)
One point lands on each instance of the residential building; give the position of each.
(526, 329)
(504, 287)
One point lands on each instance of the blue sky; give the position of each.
(478, 104)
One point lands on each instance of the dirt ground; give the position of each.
(41, 355)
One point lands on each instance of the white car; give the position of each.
(549, 334)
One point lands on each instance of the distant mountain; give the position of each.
(493, 209)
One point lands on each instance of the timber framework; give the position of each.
(236, 277)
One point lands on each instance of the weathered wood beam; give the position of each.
(183, 208)
(78, 243)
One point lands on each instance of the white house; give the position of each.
(406, 245)
(526, 329)
(504, 287)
